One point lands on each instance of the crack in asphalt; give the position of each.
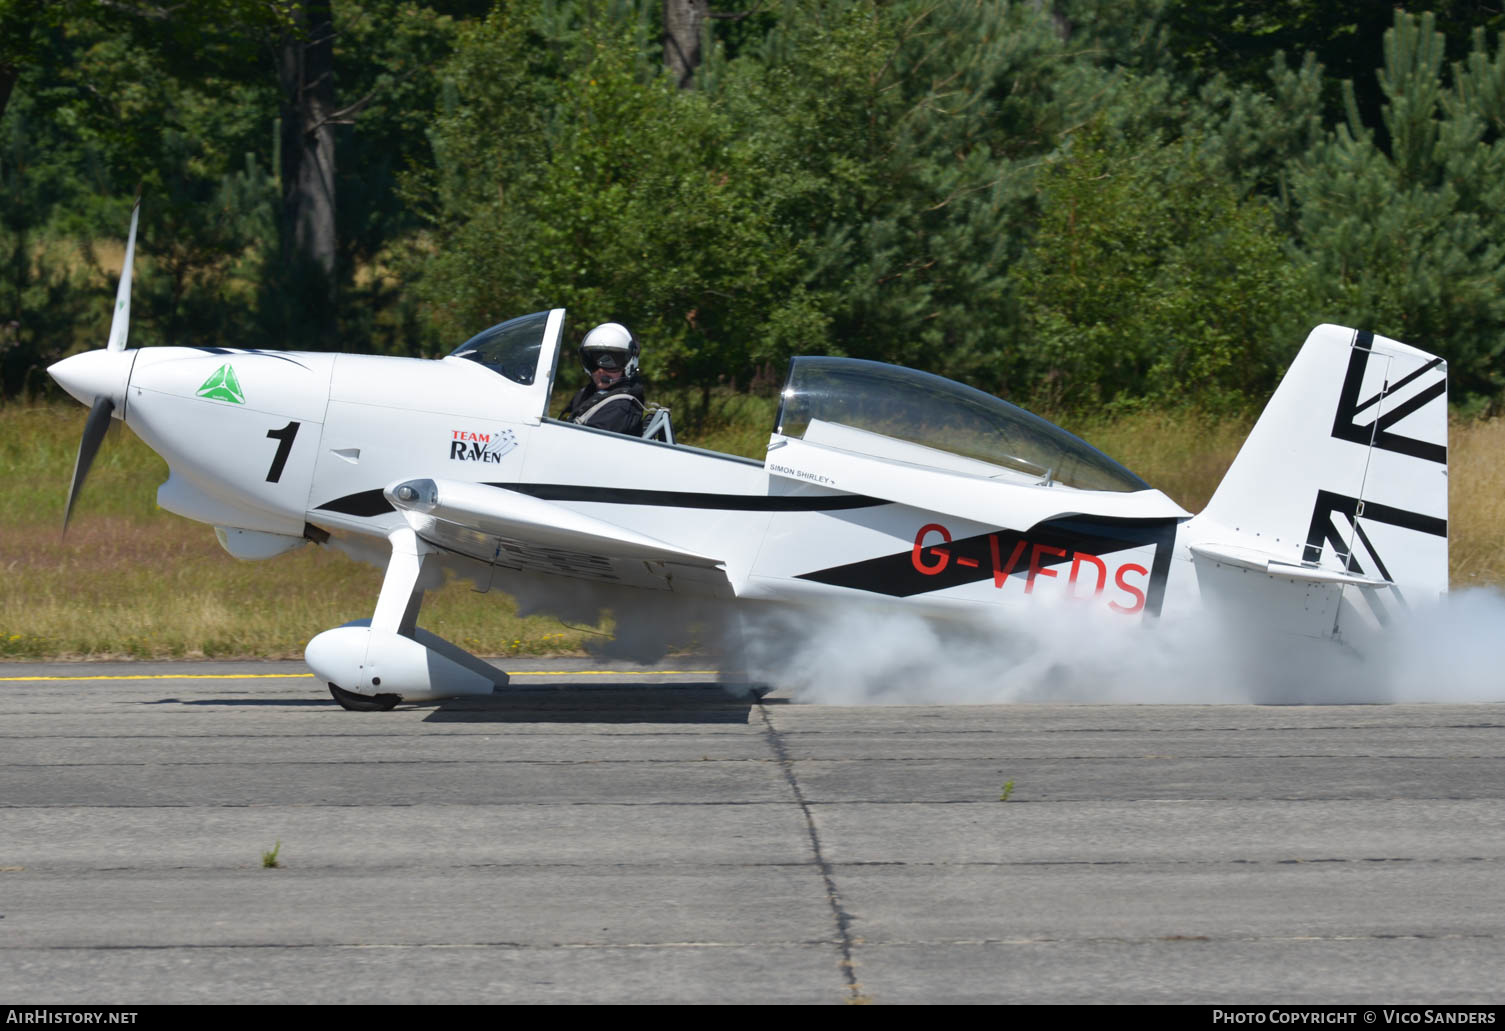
(64, 870)
(833, 894)
(1154, 939)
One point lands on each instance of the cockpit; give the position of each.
(863, 407)
(898, 414)
(525, 350)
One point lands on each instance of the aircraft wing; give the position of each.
(515, 531)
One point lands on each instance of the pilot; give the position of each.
(613, 398)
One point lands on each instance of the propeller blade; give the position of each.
(120, 322)
(94, 432)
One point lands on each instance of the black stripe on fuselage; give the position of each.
(366, 503)
(374, 502)
(692, 499)
(232, 352)
(972, 559)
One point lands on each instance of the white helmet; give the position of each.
(610, 345)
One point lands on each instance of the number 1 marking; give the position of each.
(285, 448)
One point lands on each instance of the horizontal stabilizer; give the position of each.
(1263, 562)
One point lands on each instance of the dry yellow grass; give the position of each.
(163, 587)
(1476, 503)
(1184, 454)
(133, 581)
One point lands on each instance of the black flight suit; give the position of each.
(618, 408)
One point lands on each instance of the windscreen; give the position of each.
(937, 413)
(510, 348)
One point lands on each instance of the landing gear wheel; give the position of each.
(364, 702)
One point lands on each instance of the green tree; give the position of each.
(42, 298)
(1405, 238)
(184, 100)
(574, 177)
(1152, 277)
(857, 181)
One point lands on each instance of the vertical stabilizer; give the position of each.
(1340, 491)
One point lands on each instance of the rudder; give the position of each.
(1342, 484)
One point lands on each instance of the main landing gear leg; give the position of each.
(388, 659)
(401, 594)
(396, 612)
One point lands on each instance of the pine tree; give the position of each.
(1406, 239)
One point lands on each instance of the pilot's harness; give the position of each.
(584, 417)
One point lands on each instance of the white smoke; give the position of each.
(1448, 652)
(851, 656)
(857, 654)
(645, 625)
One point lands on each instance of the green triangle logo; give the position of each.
(223, 385)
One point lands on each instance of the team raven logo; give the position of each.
(474, 446)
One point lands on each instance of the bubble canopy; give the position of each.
(826, 398)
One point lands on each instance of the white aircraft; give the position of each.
(880, 484)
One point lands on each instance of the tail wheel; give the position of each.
(363, 702)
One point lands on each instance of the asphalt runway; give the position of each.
(617, 835)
